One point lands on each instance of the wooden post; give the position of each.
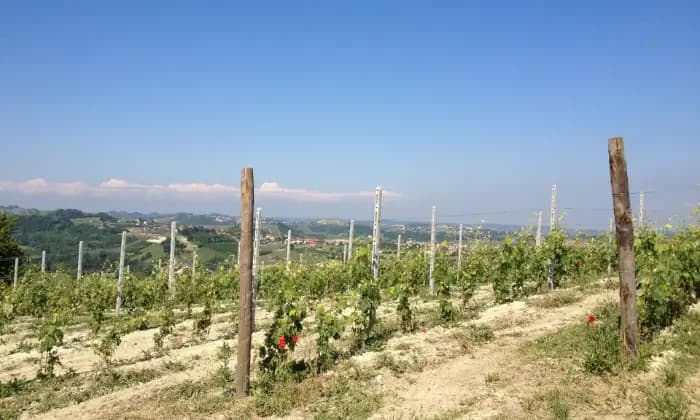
(289, 249)
(256, 254)
(194, 265)
(171, 264)
(43, 261)
(245, 319)
(459, 252)
(612, 239)
(122, 254)
(352, 231)
(538, 236)
(376, 231)
(14, 279)
(629, 334)
(80, 261)
(431, 280)
(553, 209)
(398, 247)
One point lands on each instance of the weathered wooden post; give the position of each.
(289, 249)
(122, 254)
(14, 279)
(629, 334)
(376, 231)
(194, 265)
(398, 247)
(552, 228)
(245, 320)
(352, 231)
(553, 209)
(80, 261)
(431, 280)
(256, 255)
(459, 252)
(171, 264)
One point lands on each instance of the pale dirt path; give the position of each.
(77, 354)
(200, 359)
(460, 383)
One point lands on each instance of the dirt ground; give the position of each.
(441, 373)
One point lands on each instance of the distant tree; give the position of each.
(9, 248)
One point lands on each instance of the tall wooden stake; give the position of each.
(14, 279)
(553, 209)
(459, 252)
(352, 231)
(398, 247)
(431, 280)
(245, 319)
(194, 265)
(171, 264)
(376, 231)
(256, 254)
(538, 236)
(612, 239)
(629, 334)
(289, 249)
(80, 261)
(122, 254)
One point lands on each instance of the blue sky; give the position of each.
(476, 107)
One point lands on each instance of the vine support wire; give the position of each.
(352, 231)
(431, 280)
(79, 275)
(122, 254)
(171, 263)
(376, 231)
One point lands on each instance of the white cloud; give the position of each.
(274, 189)
(120, 187)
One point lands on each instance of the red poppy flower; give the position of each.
(281, 346)
(423, 330)
(295, 338)
(282, 341)
(591, 319)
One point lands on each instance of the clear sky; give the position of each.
(476, 107)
